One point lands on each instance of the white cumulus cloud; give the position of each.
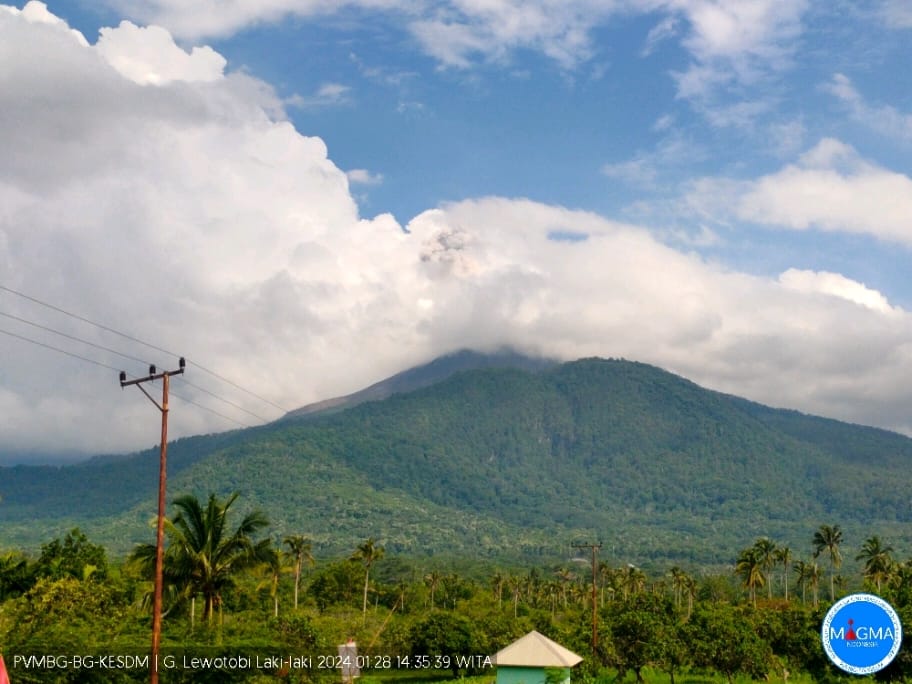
(364, 177)
(836, 285)
(150, 56)
(191, 214)
(829, 188)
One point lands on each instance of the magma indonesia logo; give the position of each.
(861, 634)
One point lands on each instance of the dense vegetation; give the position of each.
(510, 464)
(235, 593)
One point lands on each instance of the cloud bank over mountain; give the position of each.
(148, 187)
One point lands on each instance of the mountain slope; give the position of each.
(424, 376)
(503, 461)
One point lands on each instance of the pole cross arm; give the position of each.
(152, 375)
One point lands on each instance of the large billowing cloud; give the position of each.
(830, 188)
(143, 187)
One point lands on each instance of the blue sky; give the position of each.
(757, 149)
(609, 128)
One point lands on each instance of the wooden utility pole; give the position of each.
(594, 548)
(160, 526)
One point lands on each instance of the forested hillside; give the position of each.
(510, 462)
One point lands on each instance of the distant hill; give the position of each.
(512, 461)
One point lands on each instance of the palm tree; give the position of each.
(203, 556)
(497, 582)
(515, 584)
(605, 580)
(433, 580)
(784, 555)
(272, 564)
(678, 582)
(766, 555)
(452, 585)
(301, 550)
(814, 578)
(828, 539)
(801, 568)
(750, 569)
(901, 577)
(878, 560)
(565, 576)
(368, 553)
(633, 581)
(690, 586)
(551, 591)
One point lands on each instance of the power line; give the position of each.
(243, 389)
(213, 411)
(73, 337)
(57, 349)
(117, 370)
(85, 320)
(222, 399)
(143, 361)
(139, 341)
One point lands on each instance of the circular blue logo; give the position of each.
(861, 634)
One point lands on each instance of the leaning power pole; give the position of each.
(595, 548)
(160, 527)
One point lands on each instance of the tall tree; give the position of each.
(515, 584)
(272, 564)
(784, 555)
(814, 578)
(801, 569)
(15, 575)
(808, 573)
(565, 577)
(433, 580)
(446, 634)
(690, 589)
(302, 551)
(606, 580)
(750, 569)
(497, 583)
(203, 553)
(828, 539)
(680, 582)
(75, 557)
(766, 555)
(723, 640)
(368, 553)
(878, 561)
(636, 633)
(633, 581)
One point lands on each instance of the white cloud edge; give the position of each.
(432, 287)
(364, 177)
(829, 188)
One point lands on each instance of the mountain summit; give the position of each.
(510, 461)
(424, 376)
